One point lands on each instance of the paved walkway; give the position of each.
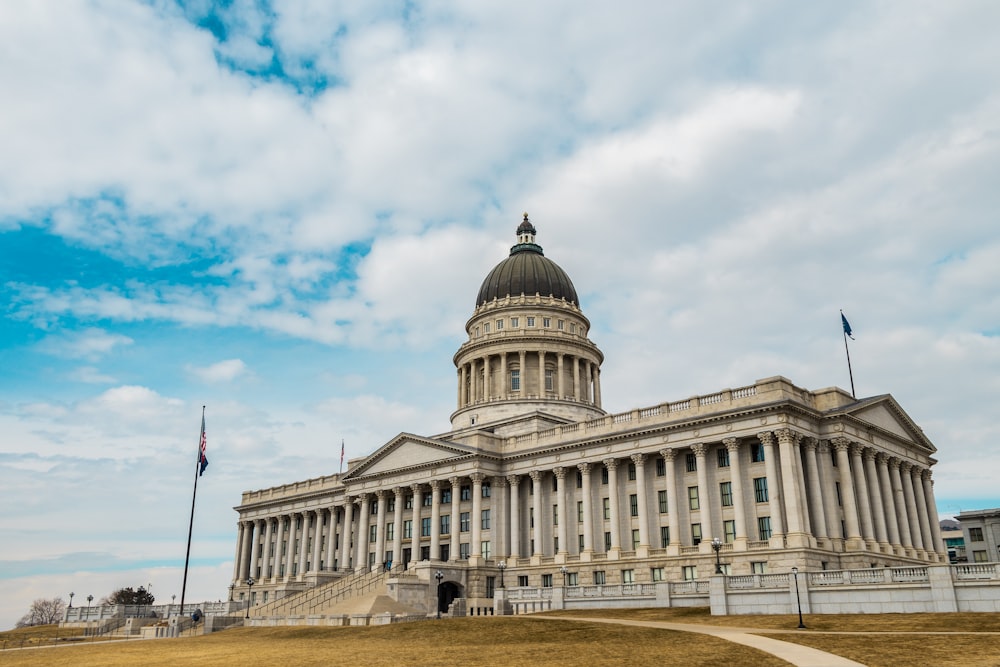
(796, 654)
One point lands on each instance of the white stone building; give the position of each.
(537, 476)
(981, 530)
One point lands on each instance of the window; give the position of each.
(606, 507)
(693, 502)
(522, 580)
(723, 455)
(373, 508)
(425, 554)
(756, 453)
(691, 462)
(580, 540)
(407, 529)
(579, 479)
(531, 323)
(661, 467)
(840, 502)
(729, 530)
(631, 472)
(599, 578)
(408, 502)
(546, 322)
(531, 517)
(635, 539)
(486, 327)
(486, 550)
(487, 490)
(546, 581)
(515, 322)
(372, 533)
(555, 515)
(463, 522)
(696, 534)
(661, 496)
(463, 551)
(490, 586)
(690, 572)
(726, 493)
(555, 483)
(604, 475)
(656, 573)
(485, 520)
(607, 541)
(760, 489)
(572, 328)
(445, 524)
(549, 377)
(975, 534)
(628, 576)
(428, 499)
(390, 505)
(633, 504)
(425, 527)
(979, 557)
(579, 511)
(445, 495)
(515, 380)
(758, 567)
(664, 536)
(572, 579)
(477, 332)
(499, 325)
(466, 492)
(764, 527)
(559, 325)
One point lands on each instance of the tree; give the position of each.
(129, 596)
(43, 612)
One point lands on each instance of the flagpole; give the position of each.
(848, 352)
(197, 470)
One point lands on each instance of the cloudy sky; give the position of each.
(282, 210)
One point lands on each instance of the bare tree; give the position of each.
(43, 612)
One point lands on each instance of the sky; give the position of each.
(282, 210)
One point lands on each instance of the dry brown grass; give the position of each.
(903, 650)
(498, 642)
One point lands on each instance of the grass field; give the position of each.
(528, 640)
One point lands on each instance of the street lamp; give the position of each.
(502, 565)
(439, 576)
(717, 547)
(250, 583)
(173, 598)
(798, 601)
(90, 598)
(71, 599)
(564, 570)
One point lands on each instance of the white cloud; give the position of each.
(90, 344)
(222, 371)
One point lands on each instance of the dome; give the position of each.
(527, 271)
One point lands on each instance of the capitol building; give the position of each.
(535, 485)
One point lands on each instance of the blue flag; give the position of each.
(847, 325)
(202, 445)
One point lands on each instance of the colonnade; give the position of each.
(489, 377)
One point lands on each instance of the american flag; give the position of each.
(202, 446)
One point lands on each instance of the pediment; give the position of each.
(886, 414)
(407, 451)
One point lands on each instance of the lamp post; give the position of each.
(798, 601)
(250, 583)
(717, 547)
(439, 576)
(173, 598)
(90, 599)
(502, 565)
(71, 599)
(564, 571)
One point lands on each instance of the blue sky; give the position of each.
(283, 211)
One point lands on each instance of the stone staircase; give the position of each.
(364, 591)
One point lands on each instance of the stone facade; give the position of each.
(536, 475)
(981, 533)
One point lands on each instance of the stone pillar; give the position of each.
(515, 515)
(911, 506)
(345, 534)
(815, 490)
(861, 491)
(536, 509)
(456, 495)
(773, 490)
(278, 553)
(704, 498)
(616, 540)
(673, 515)
(476, 548)
(888, 501)
(317, 545)
(560, 494)
(875, 496)
(463, 387)
(240, 547)
(522, 370)
(828, 474)
(361, 553)
(487, 379)
(397, 525)
(639, 460)
(304, 545)
(597, 385)
(268, 552)
(588, 510)
(504, 391)
(736, 481)
(921, 501)
(473, 381)
(932, 516)
(435, 519)
(576, 378)
(847, 497)
(293, 553)
(258, 525)
(380, 527)
(541, 373)
(587, 385)
(559, 375)
(415, 526)
(899, 498)
(331, 540)
(788, 441)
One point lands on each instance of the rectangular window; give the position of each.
(486, 327)
(691, 462)
(572, 579)
(408, 502)
(631, 472)
(729, 530)
(490, 586)
(546, 581)
(463, 551)
(466, 492)
(373, 508)
(549, 380)
(760, 489)
(664, 536)
(499, 325)
(407, 529)
(607, 541)
(485, 520)
(463, 522)
(756, 453)
(487, 490)
(531, 321)
(628, 576)
(445, 524)
(425, 527)
(580, 540)
(428, 499)
(531, 517)
(390, 505)
(723, 455)
(661, 467)
(372, 533)
(696, 534)
(836, 486)
(693, 501)
(515, 380)
(979, 557)
(635, 539)
(445, 496)
(604, 475)
(555, 515)
(764, 527)
(425, 554)
(606, 508)
(546, 322)
(599, 578)
(690, 572)
(515, 322)
(486, 549)
(661, 496)
(726, 493)
(559, 325)
(656, 573)
(633, 504)
(579, 511)
(975, 534)
(572, 328)
(522, 580)
(579, 479)
(758, 567)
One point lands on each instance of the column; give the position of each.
(415, 525)
(899, 497)
(317, 540)
(559, 375)
(474, 380)
(560, 494)
(331, 540)
(536, 482)
(463, 398)
(639, 460)
(515, 515)
(932, 515)
(815, 490)
(522, 370)
(673, 516)
(576, 378)
(828, 475)
(456, 495)
(704, 498)
(921, 501)
(861, 490)
(888, 500)
(435, 519)
(397, 525)
(588, 510)
(278, 553)
(504, 391)
(790, 483)
(875, 497)
(541, 373)
(906, 479)
(587, 376)
(345, 534)
(487, 380)
(240, 546)
(304, 544)
(476, 548)
(736, 481)
(380, 527)
(597, 385)
(773, 489)
(258, 525)
(616, 541)
(847, 497)
(361, 552)
(291, 553)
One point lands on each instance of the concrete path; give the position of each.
(796, 654)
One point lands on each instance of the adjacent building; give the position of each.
(981, 533)
(536, 476)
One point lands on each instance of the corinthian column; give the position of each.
(475, 557)
(536, 489)
(847, 497)
(933, 515)
(736, 481)
(639, 460)
(588, 513)
(774, 503)
(704, 499)
(616, 542)
(791, 483)
(435, 519)
(560, 495)
(515, 515)
(815, 490)
(673, 513)
(875, 496)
